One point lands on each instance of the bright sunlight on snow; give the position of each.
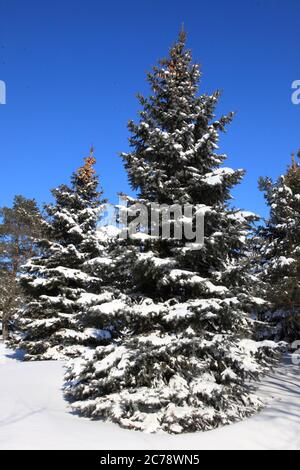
(34, 415)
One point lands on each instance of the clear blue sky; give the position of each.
(72, 69)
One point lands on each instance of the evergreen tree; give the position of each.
(279, 258)
(186, 350)
(19, 227)
(58, 284)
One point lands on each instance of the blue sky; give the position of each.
(72, 70)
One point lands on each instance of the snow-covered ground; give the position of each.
(34, 415)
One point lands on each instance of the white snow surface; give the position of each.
(34, 415)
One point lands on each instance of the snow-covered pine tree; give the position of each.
(279, 260)
(188, 352)
(59, 285)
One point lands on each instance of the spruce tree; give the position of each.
(279, 255)
(186, 351)
(59, 285)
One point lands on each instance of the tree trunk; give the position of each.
(5, 329)
(6, 316)
(7, 311)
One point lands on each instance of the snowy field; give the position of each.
(33, 415)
